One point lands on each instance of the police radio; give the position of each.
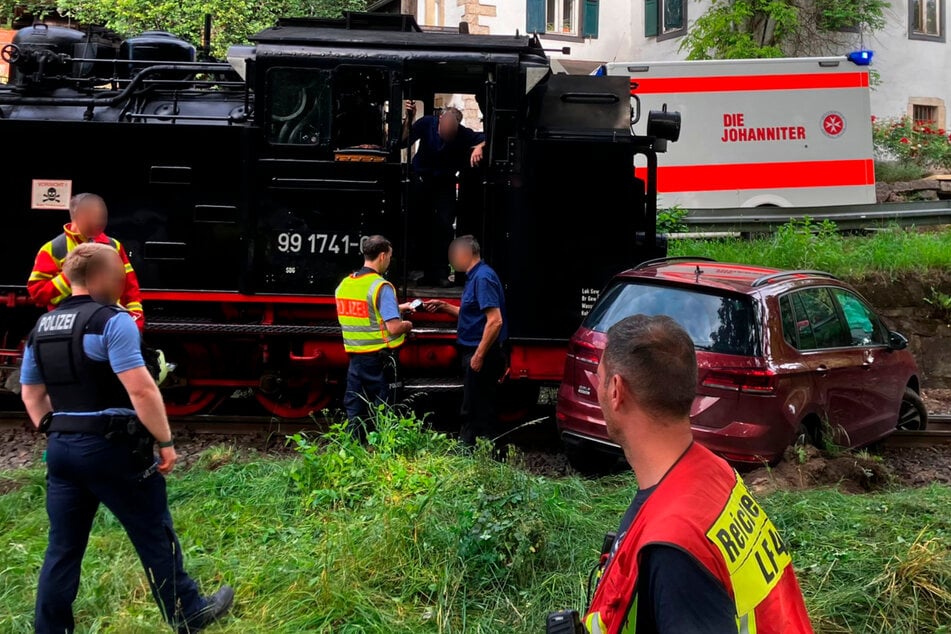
(564, 622)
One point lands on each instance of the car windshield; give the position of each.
(717, 323)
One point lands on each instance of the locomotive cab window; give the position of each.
(300, 106)
(360, 107)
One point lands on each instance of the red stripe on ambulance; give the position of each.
(808, 81)
(745, 176)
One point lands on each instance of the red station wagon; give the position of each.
(783, 356)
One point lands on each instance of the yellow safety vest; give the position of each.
(358, 312)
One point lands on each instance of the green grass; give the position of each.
(416, 536)
(809, 245)
(895, 172)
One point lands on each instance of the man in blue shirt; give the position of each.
(85, 384)
(445, 148)
(480, 334)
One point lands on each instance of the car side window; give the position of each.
(789, 321)
(865, 327)
(818, 323)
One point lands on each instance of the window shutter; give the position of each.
(535, 16)
(590, 18)
(650, 18)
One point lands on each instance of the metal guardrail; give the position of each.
(846, 217)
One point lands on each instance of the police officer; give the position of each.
(373, 328)
(481, 333)
(694, 552)
(85, 384)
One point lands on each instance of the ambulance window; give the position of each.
(299, 107)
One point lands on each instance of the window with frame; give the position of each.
(566, 18)
(300, 107)
(814, 319)
(865, 327)
(921, 113)
(561, 17)
(665, 18)
(926, 19)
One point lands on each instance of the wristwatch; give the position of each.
(168, 443)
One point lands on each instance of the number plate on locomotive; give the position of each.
(319, 243)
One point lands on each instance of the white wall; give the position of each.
(907, 68)
(620, 32)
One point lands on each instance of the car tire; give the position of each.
(912, 415)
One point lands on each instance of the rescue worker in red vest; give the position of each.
(695, 553)
(373, 328)
(87, 223)
(49, 287)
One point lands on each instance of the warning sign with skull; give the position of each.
(51, 194)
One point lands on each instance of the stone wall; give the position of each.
(475, 9)
(928, 328)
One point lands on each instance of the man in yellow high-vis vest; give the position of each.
(372, 326)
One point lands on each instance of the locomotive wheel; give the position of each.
(193, 361)
(294, 397)
(186, 401)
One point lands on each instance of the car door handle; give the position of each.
(822, 369)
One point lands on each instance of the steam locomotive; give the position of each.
(242, 188)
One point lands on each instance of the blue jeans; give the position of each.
(369, 380)
(85, 470)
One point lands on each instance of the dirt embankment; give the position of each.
(912, 304)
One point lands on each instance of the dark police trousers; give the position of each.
(84, 470)
(480, 393)
(371, 380)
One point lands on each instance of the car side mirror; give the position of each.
(897, 341)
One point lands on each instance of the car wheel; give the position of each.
(912, 415)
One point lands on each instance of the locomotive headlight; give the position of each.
(663, 124)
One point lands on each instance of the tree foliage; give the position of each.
(743, 29)
(233, 21)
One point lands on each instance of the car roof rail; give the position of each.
(773, 277)
(674, 258)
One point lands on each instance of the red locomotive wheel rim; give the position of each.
(197, 402)
(315, 402)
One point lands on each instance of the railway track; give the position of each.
(937, 434)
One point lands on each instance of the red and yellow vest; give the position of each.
(702, 507)
(358, 311)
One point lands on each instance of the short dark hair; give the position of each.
(85, 261)
(468, 242)
(658, 362)
(375, 246)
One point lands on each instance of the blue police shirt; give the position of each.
(437, 157)
(483, 290)
(119, 344)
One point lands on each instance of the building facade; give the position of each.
(912, 54)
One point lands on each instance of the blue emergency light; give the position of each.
(860, 58)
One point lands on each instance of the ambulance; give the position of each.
(793, 132)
